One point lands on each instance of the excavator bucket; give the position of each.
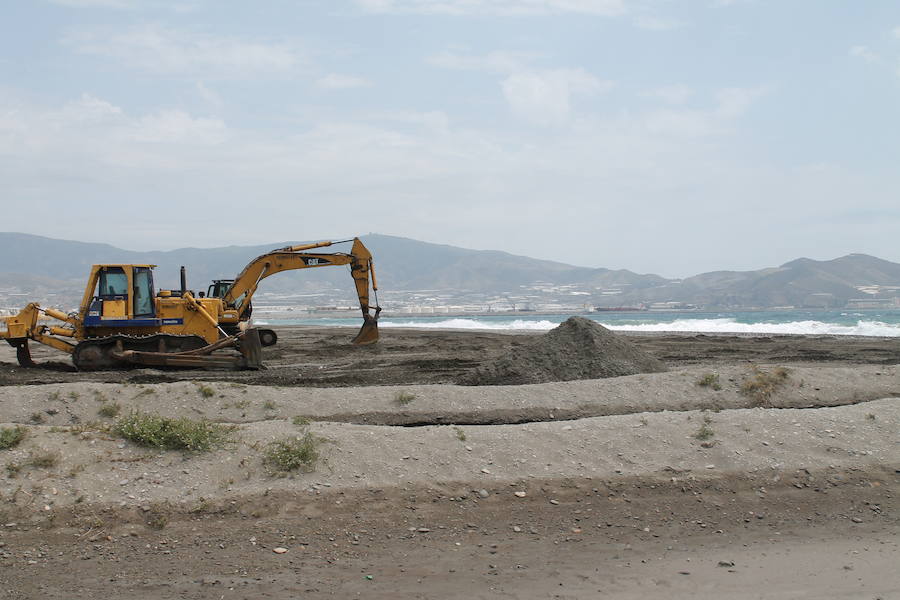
(368, 333)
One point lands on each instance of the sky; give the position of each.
(662, 136)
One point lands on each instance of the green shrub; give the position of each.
(710, 380)
(300, 421)
(760, 385)
(109, 410)
(43, 459)
(11, 436)
(404, 398)
(172, 434)
(299, 453)
(205, 390)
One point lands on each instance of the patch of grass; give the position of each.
(269, 405)
(871, 416)
(99, 396)
(12, 469)
(110, 410)
(760, 385)
(705, 432)
(172, 434)
(241, 404)
(157, 521)
(36, 418)
(54, 395)
(293, 454)
(404, 398)
(145, 392)
(300, 421)
(710, 380)
(11, 436)
(73, 395)
(205, 390)
(460, 434)
(43, 459)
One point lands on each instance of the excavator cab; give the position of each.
(218, 288)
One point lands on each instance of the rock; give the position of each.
(279, 550)
(485, 471)
(483, 493)
(519, 494)
(423, 530)
(517, 529)
(856, 520)
(726, 563)
(554, 502)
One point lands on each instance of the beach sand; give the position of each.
(643, 486)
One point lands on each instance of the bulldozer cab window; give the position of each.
(143, 292)
(113, 282)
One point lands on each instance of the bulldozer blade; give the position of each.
(251, 349)
(368, 333)
(23, 355)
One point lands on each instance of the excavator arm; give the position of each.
(238, 296)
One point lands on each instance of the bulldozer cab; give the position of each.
(119, 293)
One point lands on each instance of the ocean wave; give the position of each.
(473, 324)
(723, 325)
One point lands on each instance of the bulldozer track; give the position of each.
(96, 353)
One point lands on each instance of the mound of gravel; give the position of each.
(577, 349)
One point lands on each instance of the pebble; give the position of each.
(485, 471)
(123, 482)
(483, 493)
(856, 520)
(279, 550)
(554, 502)
(519, 494)
(517, 529)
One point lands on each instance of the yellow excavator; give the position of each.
(122, 322)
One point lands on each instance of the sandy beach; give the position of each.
(685, 483)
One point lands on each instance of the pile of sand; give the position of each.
(577, 349)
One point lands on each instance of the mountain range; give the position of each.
(31, 263)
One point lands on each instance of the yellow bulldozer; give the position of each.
(121, 320)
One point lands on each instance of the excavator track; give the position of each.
(96, 354)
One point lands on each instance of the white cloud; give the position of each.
(495, 7)
(657, 23)
(336, 81)
(864, 53)
(734, 102)
(176, 126)
(671, 94)
(158, 49)
(209, 95)
(540, 96)
(545, 97)
(120, 4)
(497, 61)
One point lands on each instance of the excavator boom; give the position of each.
(238, 296)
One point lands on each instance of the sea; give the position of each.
(881, 323)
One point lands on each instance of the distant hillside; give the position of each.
(38, 264)
(402, 264)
